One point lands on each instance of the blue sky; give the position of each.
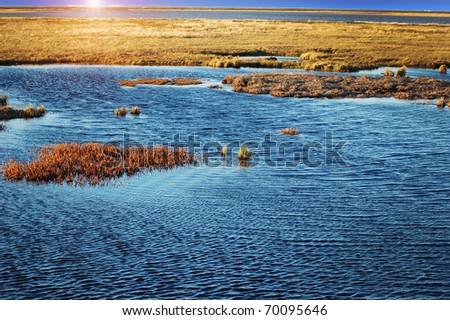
(337, 4)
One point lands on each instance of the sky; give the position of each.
(442, 5)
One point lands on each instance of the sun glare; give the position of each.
(94, 3)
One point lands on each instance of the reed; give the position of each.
(215, 86)
(30, 111)
(121, 112)
(2, 127)
(441, 102)
(443, 69)
(224, 151)
(3, 100)
(135, 111)
(290, 131)
(401, 72)
(94, 163)
(244, 153)
(388, 73)
(161, 82)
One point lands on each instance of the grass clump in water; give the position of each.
(244, 153)
(3, 100)
(290, 131)
(443, 69)
(135, 111)
(121, 112)
(401, 72)
(30, 111)
(388, 73)
(94, 163)
(441, 102)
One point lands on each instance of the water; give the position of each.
(203, 14)
(376, 228)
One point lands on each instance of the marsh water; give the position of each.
(374, 227)
(217, 14)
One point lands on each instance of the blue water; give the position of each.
(200, 14)
(376, 227)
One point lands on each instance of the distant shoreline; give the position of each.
(10, 9)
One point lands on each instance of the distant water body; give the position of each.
(203, 14)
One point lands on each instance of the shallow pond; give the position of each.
(374, 226)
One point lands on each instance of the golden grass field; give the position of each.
(324, 45)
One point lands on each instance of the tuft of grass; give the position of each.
(30, 111)
(215, 86)
(244, 153)
(3, 100)
(290, 131)
(135, 111)
(161, 82)
(443, 69)
(2, 127)
(224, 151)
(94, 163)
(401, 72)
(388, 73)
(441, 102)
(121, 112)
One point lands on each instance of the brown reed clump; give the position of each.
(30, 111)
(441, 102)
(401, 72)
(215, 86)
(161, 82)
(290, 131)
(224, 151)
(244, 153)
(388, 73)
(135, 111)
(443, 69)
(3, 100)
(121, 112)
(94, 163)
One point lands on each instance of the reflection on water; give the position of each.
(376, 228)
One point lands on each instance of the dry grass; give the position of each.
(330, 45)
(388, 73)
(290, 131)
(121, 112)
(443, 69)
(441, 102)
(244, 153)
(3, 100)
(333, 87)
(30, 111)
(224, 151)
(135, 111)
(215, 86)
(94, 163)
(161, 82)
(401, 72)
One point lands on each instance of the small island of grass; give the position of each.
(161, 82)
(9, 113)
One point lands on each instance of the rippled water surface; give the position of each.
(217, 14)
(377, 227)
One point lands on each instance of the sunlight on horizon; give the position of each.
(94, 3)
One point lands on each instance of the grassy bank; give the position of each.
(324, 45)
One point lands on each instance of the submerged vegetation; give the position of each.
(290, 131)
(328, 46)
(30, 111)
(161, 82)
(333, 86)
(94, 163)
